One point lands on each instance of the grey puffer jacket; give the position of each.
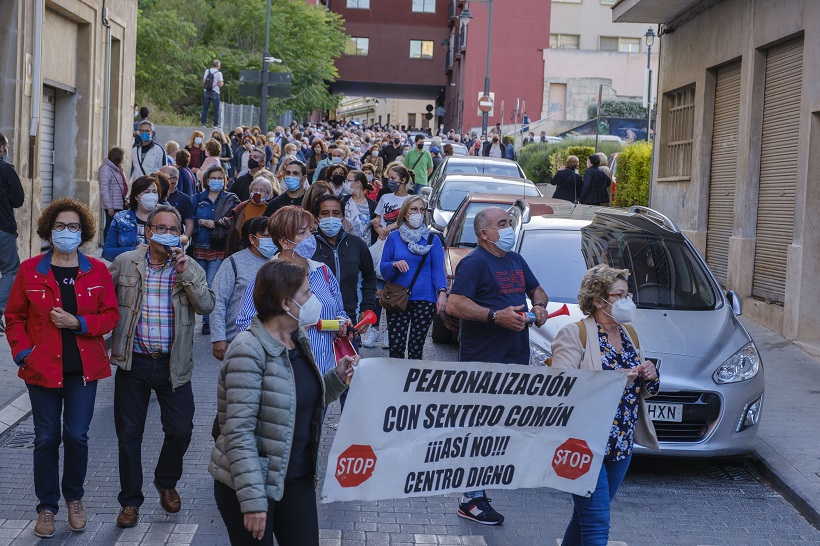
(256, 406)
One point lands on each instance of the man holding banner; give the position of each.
(489, 296)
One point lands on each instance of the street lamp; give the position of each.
(465, 19)
(650, 39)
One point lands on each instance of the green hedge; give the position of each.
(633, 175)
(581, 152)
(537, 159)
(618, 109)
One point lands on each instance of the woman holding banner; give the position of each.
(613, 345)
(270, 400)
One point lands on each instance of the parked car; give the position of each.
(712, 380)
(451, 191)
(471, 164)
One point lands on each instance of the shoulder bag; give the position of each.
(395, 296)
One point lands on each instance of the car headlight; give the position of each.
(741, 366)
(538, 355)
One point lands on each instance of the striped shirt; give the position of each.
(326, 287)
(155, 327)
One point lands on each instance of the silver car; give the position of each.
(712, 382)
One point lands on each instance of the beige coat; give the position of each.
(567, 352)
(190, 295)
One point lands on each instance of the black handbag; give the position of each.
(395, 296)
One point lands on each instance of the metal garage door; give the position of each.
(46, 141)
(722, 173)
(778, 169)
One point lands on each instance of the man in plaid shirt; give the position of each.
(159, 290)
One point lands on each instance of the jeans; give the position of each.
(210, 267)
(75, 402)
(211, 97)
(590, 518)
(132, 393)
(294, 520)
(417, 317)
(9, 263)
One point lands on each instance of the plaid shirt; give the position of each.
(155, 327)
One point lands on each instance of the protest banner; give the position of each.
(415, 428)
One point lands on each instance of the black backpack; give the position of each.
(209, 80)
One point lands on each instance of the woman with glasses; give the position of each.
(413, 258)
(605, 340)
(212, 209)
(62, 303)
(127, 230)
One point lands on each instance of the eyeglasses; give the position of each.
(621, 295)
(162, 230)
(416, 210)
(72, 227)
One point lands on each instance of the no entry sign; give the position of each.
(486, 103)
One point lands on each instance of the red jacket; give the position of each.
(33, 337)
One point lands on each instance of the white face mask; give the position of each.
(415, 220)
(149, 200)
(309, 312)
(623, 310)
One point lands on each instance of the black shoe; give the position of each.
(206, 329)
(479, 510)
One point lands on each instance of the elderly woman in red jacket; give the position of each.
(62, 303)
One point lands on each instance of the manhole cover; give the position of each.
(19, 438)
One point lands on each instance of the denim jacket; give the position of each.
(122, 236)
(205, 209)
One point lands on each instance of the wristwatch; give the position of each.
(491, 316)
(540, 304)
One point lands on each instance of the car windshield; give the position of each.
(453, 193)
(497, 169)
(464, 233)
(665, 273)
(555, 258)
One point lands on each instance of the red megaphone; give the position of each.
(564, 310)
(369, 317)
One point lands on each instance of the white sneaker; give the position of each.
(385, 340)
(371, 338)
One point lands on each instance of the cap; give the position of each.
(434, 150)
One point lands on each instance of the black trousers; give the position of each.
(294, 520)
(132, 393)
(417, 318)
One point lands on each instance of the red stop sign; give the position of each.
(572, 459)
(355, 465)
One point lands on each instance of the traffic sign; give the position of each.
(278, 91)
(486, 104)
(572, 459)
(355, 465)
(255, 76)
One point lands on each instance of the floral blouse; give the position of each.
(622, 433)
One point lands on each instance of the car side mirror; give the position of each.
(734, 301)
(426, 191)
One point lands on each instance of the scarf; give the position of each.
(413, 236)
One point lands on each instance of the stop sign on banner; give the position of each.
(355, 465)
(572, 459)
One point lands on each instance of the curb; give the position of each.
(785, 479)
(17, 410)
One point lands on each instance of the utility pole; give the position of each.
(263, 104)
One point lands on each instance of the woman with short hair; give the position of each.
(61, 305)
(567, 181)
(113, 185)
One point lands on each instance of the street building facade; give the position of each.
(70, 98)
(737, 124)
(410, 113)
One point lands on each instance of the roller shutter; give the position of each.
(778, 169)
(46, 142)
(722, 173)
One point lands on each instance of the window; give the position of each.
(678, 138)
(564, 41)
(358, 4)
(357, 46)
(608, 2)
(421, 49)
(424, 6)
(624, 45)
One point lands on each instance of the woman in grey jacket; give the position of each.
(113, 185)
(270, 399)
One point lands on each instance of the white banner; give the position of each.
(415, 428)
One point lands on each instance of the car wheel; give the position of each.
(440, 332)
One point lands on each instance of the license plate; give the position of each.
(665, 412)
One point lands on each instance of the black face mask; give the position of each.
(420, 145)
(396, 141)
(495, 141)
(253, 164)
(338, 179)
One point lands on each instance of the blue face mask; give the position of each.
(166, 239)
(335, 160)
(266, 247)
(66, 241)
(506, 239)
(293, 182)
(145, 136)
(216, 185)
(305, 248)
(330, 226)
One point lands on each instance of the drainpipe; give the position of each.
(107, 99)
(37, 84)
